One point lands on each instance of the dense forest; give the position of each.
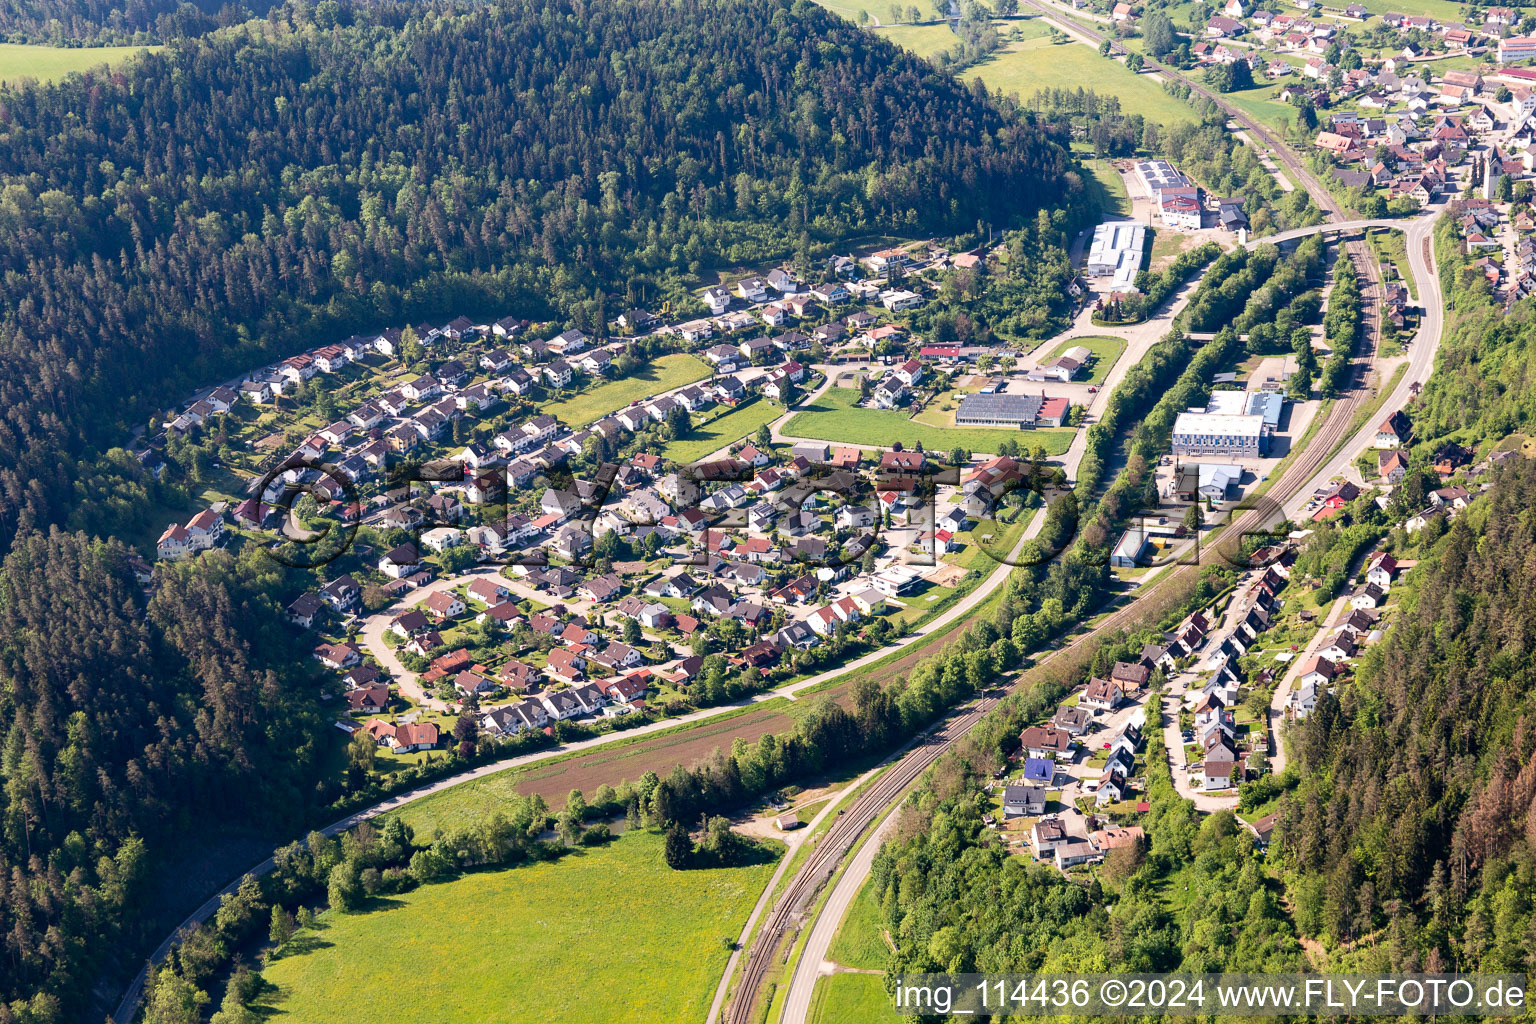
(111, 22)
(1411, 832)
(126, 725)
(331, 169)
(257, 189)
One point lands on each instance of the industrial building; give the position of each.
(1217, 481)
(1268, 406)
(1011, 411)
(1117, 252)
(1207, 433)
(1156, 176)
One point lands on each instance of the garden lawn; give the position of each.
(1392, 248)
(836, 416)
(723, 430)
(664, 374)
(1106, 351)
(1029, 65)
(917, 608)
(47, 63)
(850, 999)
(606, 934)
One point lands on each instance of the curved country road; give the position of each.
(129, 1005)
(1290, 486)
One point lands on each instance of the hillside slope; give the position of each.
(261, 188)
(268, 186)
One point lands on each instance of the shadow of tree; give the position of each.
(300, 945)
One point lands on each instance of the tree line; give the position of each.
(227, 200)
(1409, 836)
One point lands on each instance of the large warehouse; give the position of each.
(1206, 433)
(1117, 252)
(1012, 411)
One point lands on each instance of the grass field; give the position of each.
(47, 63)
(1028, 65)
(835, 416)
(608, 934)
(1106, 352)
(923, 40)
(664, 374)
(1264, 105)
(1433, 8)
(989, 542)
(719, 432)
(850, 999)
(880, 13)
(1106, 181)
(859, 942)
(1392, 248)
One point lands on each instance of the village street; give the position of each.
(1178, 765)
(371, 636)
(1277, 758)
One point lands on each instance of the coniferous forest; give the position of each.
(108, 22)
(246, 193)
(259, 188)
(1405, 836)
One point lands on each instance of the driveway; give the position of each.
(1277, 759)
(1178, 764)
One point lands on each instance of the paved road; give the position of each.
(794, 840)
(1178, 763)
(1291, 481)
(1421, 354)
(789, 911)
(1277, 758)
(813, 955)
(1340, 226)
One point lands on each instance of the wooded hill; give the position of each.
(247, 193)
(105, 22)
(1414, 817)
(265, 187)
(127, 729)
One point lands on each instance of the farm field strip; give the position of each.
(469, 948)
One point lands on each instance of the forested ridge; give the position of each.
(275, 184)
(1414, 817)
(108, 22)
(334, 169)
(128, 725)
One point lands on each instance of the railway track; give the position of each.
(787, 915)
(822, 864)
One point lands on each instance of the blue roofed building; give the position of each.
(1039, 769)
